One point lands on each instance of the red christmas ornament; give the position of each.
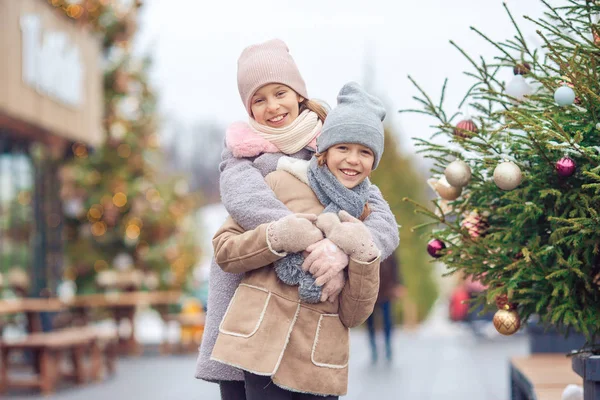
(434, 247)
(565, 167)
(465, 128)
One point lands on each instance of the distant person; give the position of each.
(282, 121)
(390, 289)
(292, 347)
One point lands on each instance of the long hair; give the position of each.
(315, 107)
(322, 160)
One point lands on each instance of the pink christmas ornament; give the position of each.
(434, 247)
(565, 167)
(465, 128)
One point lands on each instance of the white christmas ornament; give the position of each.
(518, 88)
(507, 175)
(572, 392)
(564, 96)
(458, 173)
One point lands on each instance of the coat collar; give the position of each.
(295, 166)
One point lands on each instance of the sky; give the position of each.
(196, 44)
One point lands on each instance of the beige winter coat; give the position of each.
(266, 330)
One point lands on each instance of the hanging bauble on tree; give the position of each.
(567, 82)
(507, 175)
(434, 247)
(458, 173)
(565, 167)
(518, 88)
(465, 128)
(564, 96)
(507, 322)
(476, 224)
(444, 189)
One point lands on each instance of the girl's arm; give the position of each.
(359, 294)
(246, 195)
(237, 250)
(382, 224)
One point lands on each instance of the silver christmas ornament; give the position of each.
(507, 175)
(458, 173)
(564, 96)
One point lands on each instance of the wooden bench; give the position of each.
(541, 376)
(47, 348)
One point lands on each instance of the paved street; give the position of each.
(438, 361)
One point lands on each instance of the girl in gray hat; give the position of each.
(267, 80)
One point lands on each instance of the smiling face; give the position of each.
(350, 163)
(275, 105)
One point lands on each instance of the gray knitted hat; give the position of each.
(358, 118)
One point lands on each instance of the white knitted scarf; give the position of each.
(294, 137)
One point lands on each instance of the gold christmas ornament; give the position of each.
(507, 175)
(444, 189)
(507, 322)
(458, 173)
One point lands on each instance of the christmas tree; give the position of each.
(128, 225)
(518, 179)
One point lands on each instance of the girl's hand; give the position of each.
(350, 235)
(324, 256)
(293, 233)
(331, 290)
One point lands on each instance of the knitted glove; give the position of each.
(325, 257)
(350, 235)
(331, 290)
(293, 233)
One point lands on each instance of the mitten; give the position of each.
(350, 235)
(324, 257)
(331, 290)
(293, 233)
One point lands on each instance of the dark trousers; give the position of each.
(232, 390)
(262, 388)
(386, 311)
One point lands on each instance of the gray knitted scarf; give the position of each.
(335, 197)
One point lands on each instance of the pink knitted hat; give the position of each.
(264, 63)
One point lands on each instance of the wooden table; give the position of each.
(122, 306)
(31, 307)
(541, 376)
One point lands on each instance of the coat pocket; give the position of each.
(332, 343)
(246, 311)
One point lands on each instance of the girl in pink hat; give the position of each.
(282, 121)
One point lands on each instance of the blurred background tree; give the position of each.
(129, 220)
(397, 176)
